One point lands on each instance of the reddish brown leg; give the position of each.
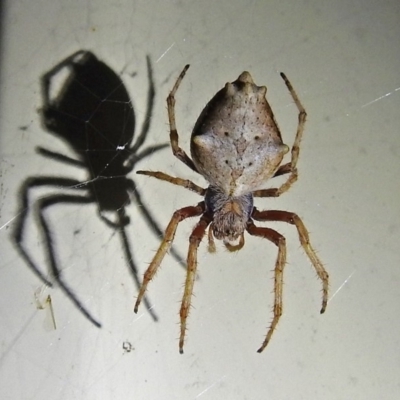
(280, 241)
(174, 138)
(166, 244)
(294, 219)
(289, 167)
(194, 240)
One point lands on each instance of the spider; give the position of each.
(94, 116)
(236, 146)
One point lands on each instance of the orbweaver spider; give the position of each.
(236, 146)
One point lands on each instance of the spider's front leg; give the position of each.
(279, 241)
(166, 244)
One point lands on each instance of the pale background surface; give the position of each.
(344, 61)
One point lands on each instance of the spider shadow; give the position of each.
(94, 116)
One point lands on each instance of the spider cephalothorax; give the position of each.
(236, 146)
(229, 214)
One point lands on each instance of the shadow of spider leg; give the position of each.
(19, 230)
(42, 205)
(121, 219)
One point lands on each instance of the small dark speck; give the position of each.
(256, 137)
(226, 162)
(226, 133)
(127, 347)
(250, 164)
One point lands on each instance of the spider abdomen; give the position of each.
(236, 144)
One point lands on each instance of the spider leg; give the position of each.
(294, 219)
(165, 245)
(289, 167)
(276, 192)
(174, 138)
(19, 230)
(283, 170)
(175, 181)
(59, 157)
(279, 241)
(152, 222)
(194, 242)
(129, 257)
